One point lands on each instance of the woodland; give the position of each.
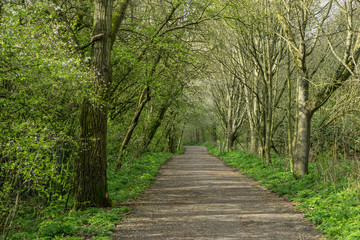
(96, 94)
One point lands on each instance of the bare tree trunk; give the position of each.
(289, 129)
(302, 150)
(91, 180)
(251, 110)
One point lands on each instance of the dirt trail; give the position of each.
(196, 196)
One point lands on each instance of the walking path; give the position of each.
(197, 196)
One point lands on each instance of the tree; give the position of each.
(303, 31)
(91, 181)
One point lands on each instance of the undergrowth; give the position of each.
(94, 223)
(334, 206)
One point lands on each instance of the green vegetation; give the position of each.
(86, 86)
(332, 205)
(95, 223)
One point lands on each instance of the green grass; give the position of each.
(94, 223)
(333, 206)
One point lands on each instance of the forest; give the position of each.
(95, 95)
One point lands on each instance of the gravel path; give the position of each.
(197, 196)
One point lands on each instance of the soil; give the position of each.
(197, 196)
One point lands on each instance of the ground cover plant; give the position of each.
(95, 223)
(332, 205)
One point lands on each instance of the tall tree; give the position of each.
(303, 32)
(91, 181)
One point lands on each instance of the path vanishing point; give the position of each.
(197, 196)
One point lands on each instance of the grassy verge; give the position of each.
(94, 223)
(334, 206)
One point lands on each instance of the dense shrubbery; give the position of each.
(332, 205)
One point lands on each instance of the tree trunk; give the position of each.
(180, 138)
(154, 126)
(269, 103)
(171, 139)
(229, 144)
(289, 128)
(253, 140)
(144, 98)
(251, 109)
(302, 148)
(91, 180)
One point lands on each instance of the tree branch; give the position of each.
(92, 40)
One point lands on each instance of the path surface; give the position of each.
(196, 196)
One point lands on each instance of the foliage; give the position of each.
(55, 223)
(332, 206)
(39, 91)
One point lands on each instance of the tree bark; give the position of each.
(301, 157)
(289, 128)
(251, 110)
(91, 180)
(230, 138)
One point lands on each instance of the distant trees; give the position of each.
(282, 54)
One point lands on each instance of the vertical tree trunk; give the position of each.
(251, 110)
(91, 180)
(301, 156)
(253, 140)
(229, 140)
(289, 129)
(180, 137)
(171, 139)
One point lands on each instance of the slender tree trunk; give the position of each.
(289, 129)
(251, 110)
(269, 110)
(171, 139)
(144, 98)
(253, 140)
(181, 137)
(91, 180)
(154, 126)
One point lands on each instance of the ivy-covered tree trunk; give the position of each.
(91, 181)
